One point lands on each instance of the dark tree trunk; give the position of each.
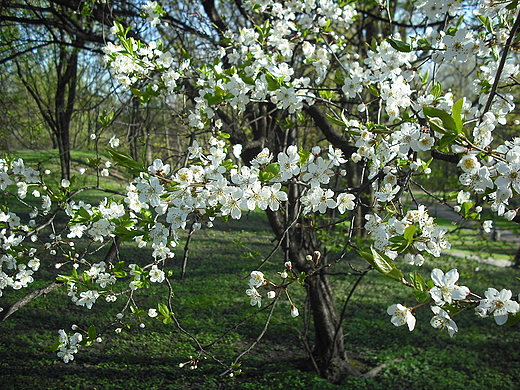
(329, 350)
(58, 115)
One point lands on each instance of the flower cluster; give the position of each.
(426, 235)
(257, 280)
(68, 346)
(446, 293)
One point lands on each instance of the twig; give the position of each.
(259, 337)
(501, 65)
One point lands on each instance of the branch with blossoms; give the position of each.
(450, 299)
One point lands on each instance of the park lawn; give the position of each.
(49, 160)
(211, 298)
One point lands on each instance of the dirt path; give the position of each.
(443, 211)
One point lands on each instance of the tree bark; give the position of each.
(298, 242)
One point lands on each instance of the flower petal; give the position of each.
(451, 277)
(438, 277)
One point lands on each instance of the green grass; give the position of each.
(49, 160)
(471, 241)
(211, 299)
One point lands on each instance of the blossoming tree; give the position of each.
(270, 72)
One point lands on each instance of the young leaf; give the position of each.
(92, 333)
(336, 121)
(382, 263)
(418, 281)
(456, 113)
(421, 296)
(447, 120)
(409, 232)
(400, 45)
(163, 309)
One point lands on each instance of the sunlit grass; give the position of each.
(211, 299)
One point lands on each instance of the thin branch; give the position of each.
(501, 65)
(259, 337)
(30, 297)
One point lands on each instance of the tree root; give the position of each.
(375, 371)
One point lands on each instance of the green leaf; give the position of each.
(423, 44)
(373, 90)
(373, 45)
(53, 347)
(382, 263)
(512, 319)
(84, 213)
(447, 121)
(487, 23)
(399, 244)
(92, 333)
(224, 135)
(93, 162)
(456, 113)
(272, 83)
(273, 168)
(447, 140)
(138, 312)
(436, 90)
(400, 45)
(65, 279)
(301, 278)
(418, 282)
(335, 120)
(213, 99)
(269, 172)
(163, 309)
(465, 208)
(409, 232)
(85, 277)
(124, 160)
(425, 77)
(228, 164)
(421, 296)
(304, 156)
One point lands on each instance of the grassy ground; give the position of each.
(211, 298)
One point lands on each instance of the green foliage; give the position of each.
(206, 303)
(382, 263)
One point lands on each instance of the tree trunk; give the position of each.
(329, 349)
(65, 98)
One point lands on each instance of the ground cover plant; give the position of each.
(207, 300)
